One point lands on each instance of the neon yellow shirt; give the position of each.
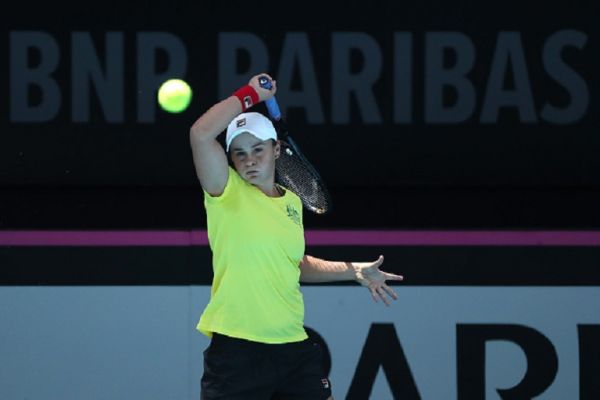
(257, 244)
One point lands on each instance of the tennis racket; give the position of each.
(292, 169)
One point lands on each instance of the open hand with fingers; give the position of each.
(369, 275)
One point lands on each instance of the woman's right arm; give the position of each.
(209, 156)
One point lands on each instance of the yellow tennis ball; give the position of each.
(174, 95)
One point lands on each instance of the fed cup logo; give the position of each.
(293, 214)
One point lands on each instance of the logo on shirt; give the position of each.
(325, 383)
(293, 214)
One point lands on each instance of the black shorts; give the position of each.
(245, 370)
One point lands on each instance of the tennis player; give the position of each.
(259, 348)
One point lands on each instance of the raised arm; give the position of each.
(209, 156)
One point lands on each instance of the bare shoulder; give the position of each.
(211, 165)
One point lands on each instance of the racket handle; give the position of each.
(271, 103)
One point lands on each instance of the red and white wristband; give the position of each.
(247, 96)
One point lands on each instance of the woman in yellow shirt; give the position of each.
(259, 348)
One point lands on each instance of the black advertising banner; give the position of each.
(389, 93)
(430, 258)
(380, 96)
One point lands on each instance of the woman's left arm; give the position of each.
(368, 274)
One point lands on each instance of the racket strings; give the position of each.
(294, 172)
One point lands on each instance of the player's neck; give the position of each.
(271, 189)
